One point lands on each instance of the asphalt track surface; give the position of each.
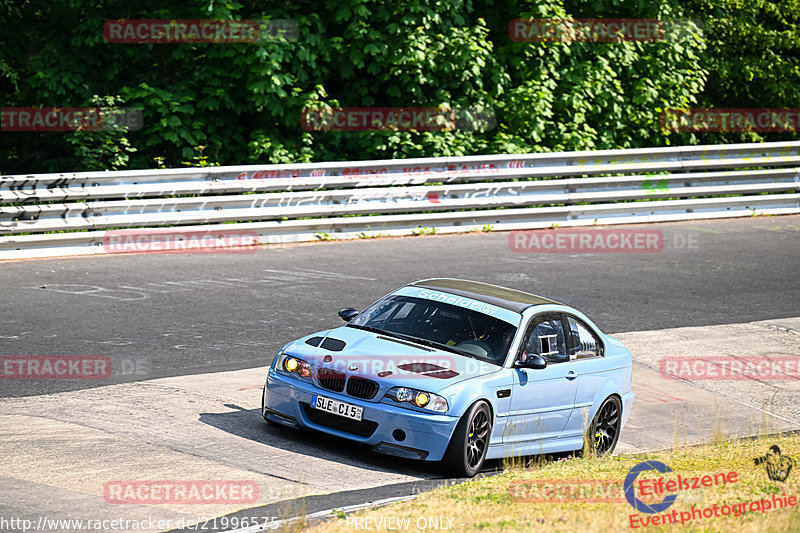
(161, 315)
(176, 316)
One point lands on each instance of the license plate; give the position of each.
(336, 407)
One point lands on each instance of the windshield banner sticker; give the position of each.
(468, 303)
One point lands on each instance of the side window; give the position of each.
(584, 343)
(545, 337)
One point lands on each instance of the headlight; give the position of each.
(421, 399)
(418, 398)
(294, 365)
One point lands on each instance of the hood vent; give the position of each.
(428, 370)
(419, 368)
(442, 374)
(330, 344)
(334, 345)
(314, 341)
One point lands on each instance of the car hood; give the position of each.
(387, 360)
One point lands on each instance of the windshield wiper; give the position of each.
(368, 328)
(380, 331)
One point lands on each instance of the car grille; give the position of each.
(363, 428)
(361, 388)
(331, 379)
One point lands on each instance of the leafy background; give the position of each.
(208, 104)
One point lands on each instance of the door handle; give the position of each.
(571, 375)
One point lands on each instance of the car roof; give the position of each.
(504, 297)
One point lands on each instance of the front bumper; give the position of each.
(388, 428)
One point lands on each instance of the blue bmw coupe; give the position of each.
(459, 372)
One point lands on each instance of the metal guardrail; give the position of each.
(281, 203)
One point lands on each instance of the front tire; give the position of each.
(604, 430)
(467, 449)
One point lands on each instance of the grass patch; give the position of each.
(324, 236)
(492, 504)
(374, 235)
(427, 230)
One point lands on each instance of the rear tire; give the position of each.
(470, 441)
(603, 432)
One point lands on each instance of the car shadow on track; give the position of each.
(249, 424)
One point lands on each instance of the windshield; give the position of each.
(439, 324)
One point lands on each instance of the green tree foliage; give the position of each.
(241, 103)
(753, 58)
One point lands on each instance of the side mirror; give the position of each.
(531, 360)
(347, 313)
